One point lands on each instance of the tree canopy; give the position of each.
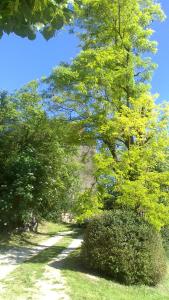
(38, 171)
(107, 88)
(24, 17)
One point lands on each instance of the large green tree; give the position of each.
(25, 17)
(107, 88)
(38, 174)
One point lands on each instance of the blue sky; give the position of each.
(22, 60)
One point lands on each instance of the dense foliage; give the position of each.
(38, 173)
(24, 17)
(122, 245)
(106, 89)
(165, 237)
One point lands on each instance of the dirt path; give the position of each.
(10, 259)
(53, 284)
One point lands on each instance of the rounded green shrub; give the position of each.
(122, 245)
(165, 237)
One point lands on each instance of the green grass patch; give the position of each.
(45, 231)
(83, 287)
(21, 283)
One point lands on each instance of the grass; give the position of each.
(45, 231)
(21, 283)
(83, 287)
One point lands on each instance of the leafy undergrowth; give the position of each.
(45, 231)
(85, 286)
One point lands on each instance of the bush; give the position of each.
(165, 237)
(125, 247)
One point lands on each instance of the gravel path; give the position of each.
(10, 259)
(52, 286)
